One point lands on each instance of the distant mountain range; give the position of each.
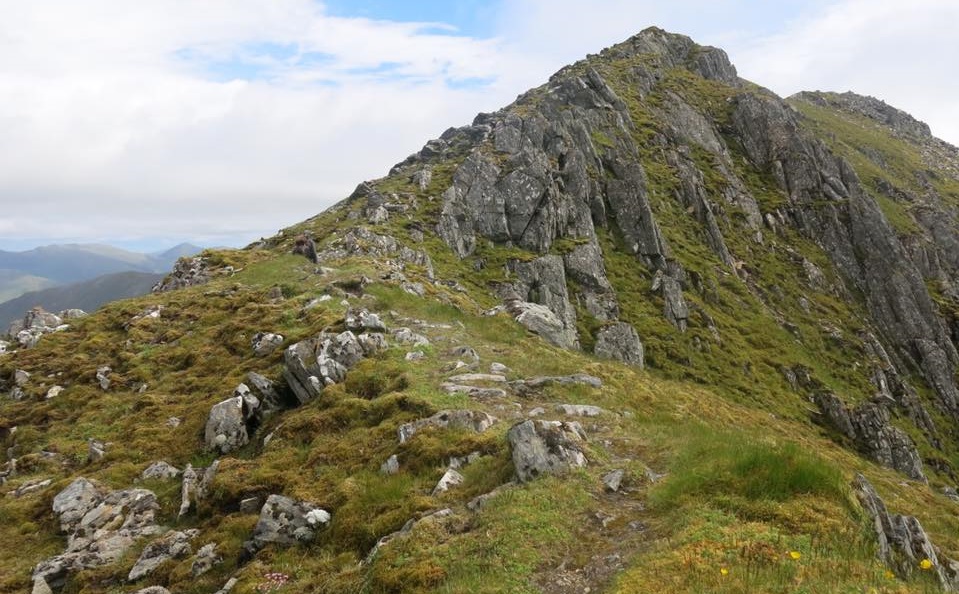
(85, 295)
(78, 275)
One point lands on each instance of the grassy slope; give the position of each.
(715, 418)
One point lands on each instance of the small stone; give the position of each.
(173, 422)
(54, 392)
(579, 410)
(264, 343)
(415, 356)
(539, 410)
(103, 377)
(498, 368)
(613, 480)
(160, 470)
(206, 558)
(391, 466)
(407, 336)
(450, 479)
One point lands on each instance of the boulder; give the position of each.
(103, 377)
(450, 478)
(613, 480)
(391, 466)
(363, 320)
(579, 410)
(620, 342)
(228, 424)
(546, 447)
(285, 521)
(173, 545)
(206, 558)
(540, 320)
(264, 343)
(407, 336)
(71, 504)
(160, 470)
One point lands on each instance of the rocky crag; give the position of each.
(649, 328)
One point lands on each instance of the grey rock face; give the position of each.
(620, 341)
(174, 545)
(474, 420)
(902, 541)
(285, 521)
(850, 227)
(868, 426)
(265, 391)
(546, 447)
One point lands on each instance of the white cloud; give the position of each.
(228, 119)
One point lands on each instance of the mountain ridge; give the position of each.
(649, 328)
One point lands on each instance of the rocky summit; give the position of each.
(650, 328)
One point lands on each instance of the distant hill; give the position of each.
(14, 283)
(87, 295)
(56, 265)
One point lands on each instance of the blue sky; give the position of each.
(153, 122)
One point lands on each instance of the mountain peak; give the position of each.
(895, 119)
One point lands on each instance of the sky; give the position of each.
(144, 124)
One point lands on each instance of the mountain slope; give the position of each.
(648, 329)
(87, 295)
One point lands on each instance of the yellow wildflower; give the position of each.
(890, 575)
(723, 571)
(925, 564)
(795, 555)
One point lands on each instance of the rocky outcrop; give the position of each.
(546, 447)
(313, 364)
(285, 521)
(902, 542)
(473, 420)
(101, 527)
(37, 322)
(187, 272)
(360, 241)
(868, 427)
